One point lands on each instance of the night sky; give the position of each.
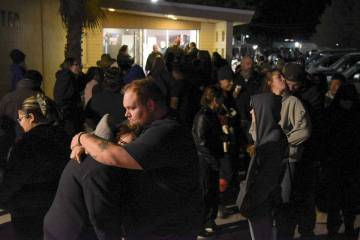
(287, 18)
(276, 19)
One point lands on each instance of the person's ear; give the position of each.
(151, 105)
(31, 117)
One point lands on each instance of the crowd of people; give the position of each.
(157, 152)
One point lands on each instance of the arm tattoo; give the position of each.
(103, 145)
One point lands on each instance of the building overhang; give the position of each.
(181, 10)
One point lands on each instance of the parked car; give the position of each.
(341, 65)
(316, 55)
(353, 75)
(323, 62)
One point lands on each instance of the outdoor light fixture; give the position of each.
(154, 1)
(297, 44)
(247, 36)
(255, 47)
(171, 17)
(111, 9)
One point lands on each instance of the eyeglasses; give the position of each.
(21, 118)
(122, 142)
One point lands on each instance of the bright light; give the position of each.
(111, 9)
(297, 44)
(337, 44)
(171, 17)
(255, 47)
(247, 36)
(154, 1)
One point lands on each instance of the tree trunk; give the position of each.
(74, 39)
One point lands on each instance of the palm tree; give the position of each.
(77, 15)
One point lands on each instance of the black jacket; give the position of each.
(33, 171)
(207, 134)
(12, 101)
(9, 129)
(67, 90)
(340, 184)
(252, 86)
(313, 99)
(67, 95)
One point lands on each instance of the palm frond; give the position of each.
(88, 12)
(93, 14)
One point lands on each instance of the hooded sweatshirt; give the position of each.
(261, 189)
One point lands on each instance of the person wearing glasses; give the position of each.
(34, 166)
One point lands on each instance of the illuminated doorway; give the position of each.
(141, 41)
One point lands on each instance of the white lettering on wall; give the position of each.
(9, 19)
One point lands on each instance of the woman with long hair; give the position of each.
(295, 123)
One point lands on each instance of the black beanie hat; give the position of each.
(225, 72)
(293, 72)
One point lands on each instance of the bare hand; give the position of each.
(75, 141)
(237, 91)
(77, 152)
(251, 150)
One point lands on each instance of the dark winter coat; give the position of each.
(67, 95)
(340, 185)
(12, 101)
(135, 73)
(150, 60)
(313, 100)
(252, 85)
(207, 134)
(9, 129)
(67, 90)
(33, 171)
(17, 73)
